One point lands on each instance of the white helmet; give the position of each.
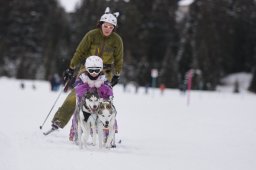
(110, 18)
(94, 62)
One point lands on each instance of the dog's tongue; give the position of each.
(94, 110)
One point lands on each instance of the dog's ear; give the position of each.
(101, 100)
(96, 94)
(86, 95)
(109, 106)
(101, 107)
(111, 98)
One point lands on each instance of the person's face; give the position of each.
(107, 28)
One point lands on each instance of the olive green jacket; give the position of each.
(110, 49)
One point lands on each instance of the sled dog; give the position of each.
(87, 116)
(106, 121)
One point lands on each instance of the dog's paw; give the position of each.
(91, 144)
(108, 146)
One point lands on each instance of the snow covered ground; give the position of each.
(217, 131)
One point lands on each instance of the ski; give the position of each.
(49, 131)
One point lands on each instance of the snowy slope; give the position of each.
(217, 131)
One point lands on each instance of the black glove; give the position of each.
(114, 80)
(67, 75)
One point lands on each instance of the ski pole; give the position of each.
(64, 89)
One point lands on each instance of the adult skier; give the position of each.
(103, 42)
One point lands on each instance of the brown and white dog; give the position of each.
(106, 121)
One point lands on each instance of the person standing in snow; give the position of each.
(103, 42)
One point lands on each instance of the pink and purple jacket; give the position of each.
(84, 84)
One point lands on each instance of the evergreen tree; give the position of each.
(216, 38)
(33, 30)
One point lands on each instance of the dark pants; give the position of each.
(64, 113)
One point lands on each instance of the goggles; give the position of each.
(94, 70)
(108, 26)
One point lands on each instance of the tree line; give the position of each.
(214, 38)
